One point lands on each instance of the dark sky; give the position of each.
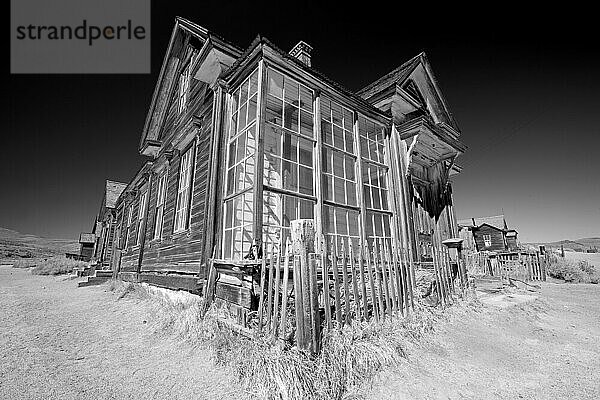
(522, 84)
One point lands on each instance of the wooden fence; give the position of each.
(522, 265)
(306, 292)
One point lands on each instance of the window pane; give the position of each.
(244, 93)
(290, 117)
(275, 83)
(326, 159)
(236, 253)
(367, 196)
(351, 193)
(289, 210)
(306, 123)
(272, 171)
(353, 223)
(290, 146)
(307, 208)
(336, 114)
(232, 153)
(252, 109)
(306, 101)
(327, 133)
(272, 141)
(306, 180)
(227, 245)
(349, 168)
(327, 187)
(228, 213)
(305, 152)
(241, 148)
(292, 92)
(338, 164)
(341, 224)
(242, 118)
(290, 176)
(251, 140)
(339, 190)
(274, 110)
(338, 137)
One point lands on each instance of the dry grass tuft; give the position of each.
(573, 271)
(56, 265)
(25, 263)
(350, 358)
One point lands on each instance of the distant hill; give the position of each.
(16, 245)
(575, 245)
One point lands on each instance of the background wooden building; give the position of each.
(105, 223)
(87, 242)
(488, 234)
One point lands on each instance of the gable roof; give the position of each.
(399, 75)
(495, 221)
(182, 26)
(396, 76)
(113, 191)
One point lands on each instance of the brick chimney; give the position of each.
(301, 52)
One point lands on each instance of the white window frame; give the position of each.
(141, 216)
(487, 240)
(184, 187)
(128, 230)
(160, 206)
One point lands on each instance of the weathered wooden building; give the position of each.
(242, 142)
(488, 234)
(105, 223)
(87, 242)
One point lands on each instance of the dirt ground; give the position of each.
(58, 341)
(526, 345)
(62, 342)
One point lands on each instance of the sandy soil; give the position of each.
(58, 341)
(62, 342)
(543, 345)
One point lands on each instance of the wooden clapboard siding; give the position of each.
(130, 255)
(182, 252)
(497, 238)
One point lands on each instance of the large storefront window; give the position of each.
(353, 167)
(241, 157)
(375, 181)
(341, 215)
(288, 157)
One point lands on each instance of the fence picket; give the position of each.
(270, 288)
(325, 277)
(372, 283)
(275, 320)
(354, 283)
(314, 302)
(336, 283)
(284, 293)
(346, 285)
(262, 288)
(391, 276)
(363, 284)
(297, 276)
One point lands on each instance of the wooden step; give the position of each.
(94, 280)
